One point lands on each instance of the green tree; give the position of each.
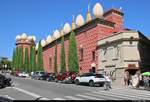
(20, 61)
(39, 57)
(17, 59)
(55, 59)
(32, 59)
(14, 60)
(26, 61)
(73, 57)
(63, 62)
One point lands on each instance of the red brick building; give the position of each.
(23, 41)
(87, 35)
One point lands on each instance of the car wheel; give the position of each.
(91, 83)
(77, 82)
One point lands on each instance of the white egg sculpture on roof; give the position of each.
(49, 39)
(56, 34)
(79, 20)
(18, 37)
(43, 43)
(34, 38)
(98, 10)
(61, 32)
(67, 28)
(24, 36)
(29, 38)
(36, 47)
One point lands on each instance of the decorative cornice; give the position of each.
(113, 10)
(78, 30)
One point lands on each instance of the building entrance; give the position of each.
(93, 69)
(132, 71)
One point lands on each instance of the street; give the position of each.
(28, 89)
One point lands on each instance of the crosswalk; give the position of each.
(114, 94)
(100, 94)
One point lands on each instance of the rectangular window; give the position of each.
(81, 54)
(50, 63)
(93, 55)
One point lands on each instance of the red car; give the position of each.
(66, 77)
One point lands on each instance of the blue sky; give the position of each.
(42, 17)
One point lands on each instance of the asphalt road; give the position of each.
(28, 89)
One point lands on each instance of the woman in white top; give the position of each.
(107, 85)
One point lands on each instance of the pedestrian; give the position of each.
(126, 78)
(107, 85)
(130, 80)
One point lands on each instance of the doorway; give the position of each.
(93, 69)
(132, 71)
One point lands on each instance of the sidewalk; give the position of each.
(120, 85)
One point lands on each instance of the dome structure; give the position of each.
(67, 28)
(56, 34)
(36, 47)
(79, 20)
(29, 38)
(18, 37)
(24, 36)
(98, 10)
(43, 43)
(33, 38)
(49, 39)
(61, 32)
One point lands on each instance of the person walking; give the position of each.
(107, 85)
(126, 77)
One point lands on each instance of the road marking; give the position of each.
(136, 94)
(8, 97)
(99, 96)
(112, 94)
(30, 93)
(88, 97)
(73, 98)
(58, 99)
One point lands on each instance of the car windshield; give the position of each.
(99, 75)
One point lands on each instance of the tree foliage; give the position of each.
(73, 57)
(26, 61)
(39, 57)
(32, 59)
(63, 62)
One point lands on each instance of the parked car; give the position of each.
(51, 77)
(91, 79)
(66, 77)
(40, 75)
(23, 74)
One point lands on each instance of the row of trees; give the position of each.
(72, 58)
(31, 64)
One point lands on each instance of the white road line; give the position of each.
(29, 93)
(58, 99)
(8, 97)
(73, 98)
(136, 94)
(116, 94)
(135, 91)
(88, 97)
(102, 97)
(112, 96)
